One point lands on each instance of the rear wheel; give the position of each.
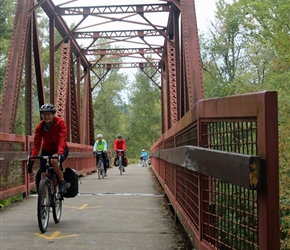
(120, 165)
(43, 204)
(57, 206)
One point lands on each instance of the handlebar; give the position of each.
(120, 151)
(46, 157)
(99, 152)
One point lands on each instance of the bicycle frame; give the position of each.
(120, 154)
(50, 175)
(48, 195)
(100, 164)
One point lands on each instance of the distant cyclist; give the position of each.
(120, 144)
(50, 135)
(101, 144)
(143, 158)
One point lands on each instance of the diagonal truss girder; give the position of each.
(177, 60)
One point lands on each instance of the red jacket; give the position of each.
(53, 141)
(119, 144)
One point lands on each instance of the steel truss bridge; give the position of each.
(217, 159)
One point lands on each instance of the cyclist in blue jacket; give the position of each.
(144, 157)
(101, 144)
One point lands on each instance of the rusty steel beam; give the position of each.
(78, 96)
(63, 81)
(124, 51)
(74, 110)
(13, 77)
(176, 3)
(91, 118)
(38, 62)
(28, 82)
(50, 9)
(151, 77)
(174, 35)
(117, 33)
(126, 65)
(164, 97)
(85, 114)
(151, 62)
(52, 59)
(191, 53)
(172, 88)
(100, 78)
(113, 9)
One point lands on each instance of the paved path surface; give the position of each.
(118, 212)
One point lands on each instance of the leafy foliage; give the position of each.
(247, 50)
(138, 118)
(144, 115)
(7, 12)
(110, 108)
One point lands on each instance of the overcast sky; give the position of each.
(204, 13)
(204, 8)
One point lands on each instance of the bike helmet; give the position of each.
(143, 150)
(99, 136)
(119, 136)
(47, 107)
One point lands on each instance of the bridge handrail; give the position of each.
(243, 170)
(14, 151)
(218, 166)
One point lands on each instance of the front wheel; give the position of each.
(102, 170)
(99, 173)
(57, 206)
(43, 204)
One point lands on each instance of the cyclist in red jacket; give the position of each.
(50, 135)
(120, 144)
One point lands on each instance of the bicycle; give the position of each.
(100, 164)
(48, 195)
(120, 153)
(143, 162)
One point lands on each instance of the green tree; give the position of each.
(109, 107)
(229, 53)
(145, 114)
(7, 13)
(263, 64)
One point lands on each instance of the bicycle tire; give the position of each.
(43, 204)
(57, 206)
(102, 170)
(120, 165)
(99, 170)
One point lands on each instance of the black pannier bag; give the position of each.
(71, 182)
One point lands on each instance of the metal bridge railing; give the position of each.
(219, 168)
(14, 150)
